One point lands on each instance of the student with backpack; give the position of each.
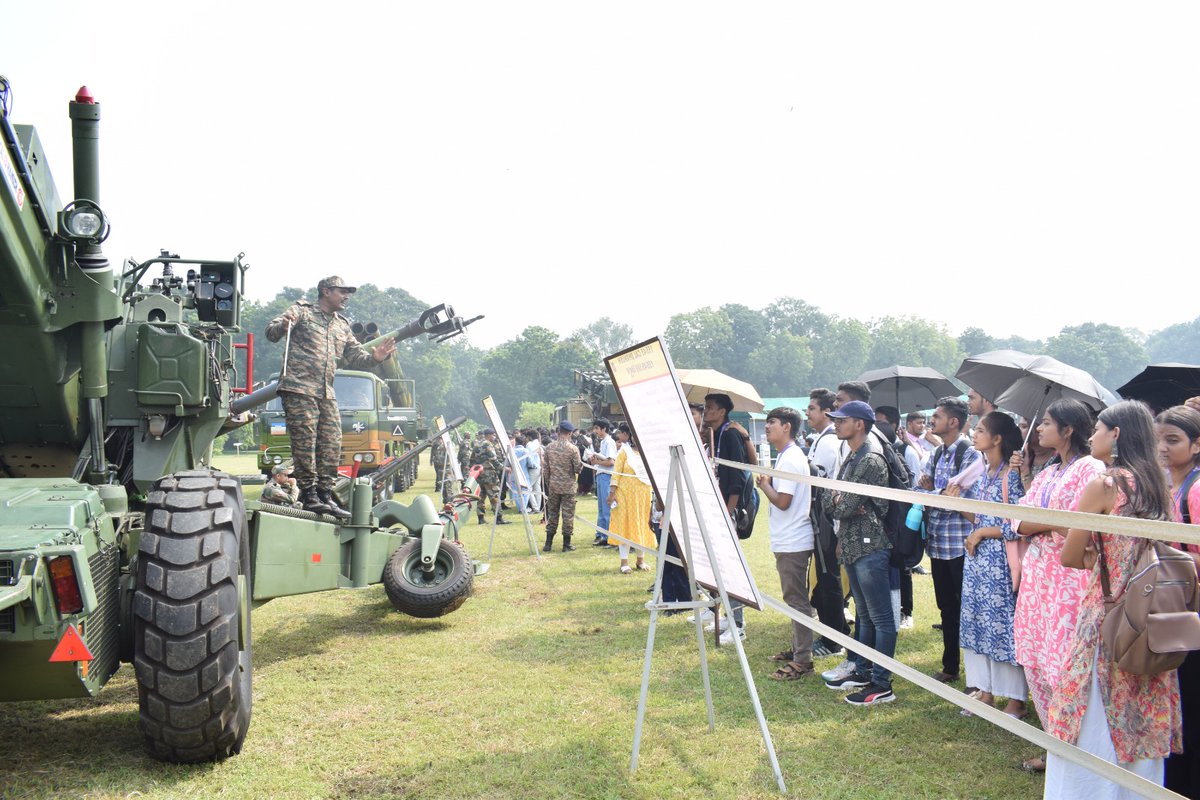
(1178, 432)
(828, 596)
(1127, 718)
(947, 531)
(864, 549)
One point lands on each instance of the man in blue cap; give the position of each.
(562, 465)
(864, 550)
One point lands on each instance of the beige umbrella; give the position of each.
(698, 382)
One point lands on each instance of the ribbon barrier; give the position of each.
(1165, 531)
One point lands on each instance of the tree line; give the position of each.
(783, 349)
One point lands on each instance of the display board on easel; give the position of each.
(517, 470)
(658, 414)
(451, 449)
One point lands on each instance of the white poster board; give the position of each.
(658, 414)
(493, 415)
(451, 449)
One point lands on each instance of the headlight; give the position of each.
(83, 219)
(278, 460)
(358, 457)
(368, 457)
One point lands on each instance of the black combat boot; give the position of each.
(500, 520)
(311, 501)
(567, 546)
(335, 508)
(549, 543)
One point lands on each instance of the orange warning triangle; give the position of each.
(70, 647)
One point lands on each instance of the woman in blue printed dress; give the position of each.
(988, 596)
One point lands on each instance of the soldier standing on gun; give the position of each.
(488, 457)
(320, 335)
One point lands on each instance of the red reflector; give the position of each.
(316, 557)
(66, 587)
(70, 647)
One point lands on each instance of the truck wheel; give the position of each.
(192, 618)
(421, 595)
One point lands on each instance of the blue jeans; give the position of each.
(602, 482)
(874, 623)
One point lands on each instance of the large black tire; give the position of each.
(415, 593)
(193, 593)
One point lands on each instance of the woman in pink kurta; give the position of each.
(1050, 594)
(1127, 719)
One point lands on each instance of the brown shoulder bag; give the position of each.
(1153, 625)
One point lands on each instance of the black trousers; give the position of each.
(947, 590)
(827, 597)
(906, 598)
(1183, 769)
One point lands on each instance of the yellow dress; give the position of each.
(631, 517)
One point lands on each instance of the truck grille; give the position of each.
(8, 617)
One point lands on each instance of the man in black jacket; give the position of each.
(729, 445)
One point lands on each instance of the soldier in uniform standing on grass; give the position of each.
(320, 335)
(492, 475)
(562, 465)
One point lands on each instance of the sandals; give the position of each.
(641, 565)
(626, 569)
(786, 655)
(1037, 764)
(791, 671)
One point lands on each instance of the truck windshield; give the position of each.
(354, 393)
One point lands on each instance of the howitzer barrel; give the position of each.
(258, 397)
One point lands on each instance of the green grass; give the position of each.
(528, 691)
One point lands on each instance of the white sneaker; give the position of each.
(906, 622)
(706, 616)
(727, 636)
(842, 670)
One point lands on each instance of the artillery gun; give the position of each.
(119, 542)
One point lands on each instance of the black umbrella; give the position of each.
(908, 388)
(1163, 385)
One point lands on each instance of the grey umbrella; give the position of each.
(908, 388)
(992, 373)
(1047, 379)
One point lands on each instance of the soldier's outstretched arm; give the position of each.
(277, 327)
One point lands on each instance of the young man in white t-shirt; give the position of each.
(791, 536)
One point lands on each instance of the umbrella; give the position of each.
(698, 382)
(908, 388)
(992, 373)
(1047, 379)
(1163, 385)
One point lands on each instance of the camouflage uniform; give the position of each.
(561, 464)
(491, 476)
(437, 459)
(282, 495)
(306, 390)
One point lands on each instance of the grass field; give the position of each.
(528, 691)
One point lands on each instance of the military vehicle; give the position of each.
(597, 399)
(119, 541)
(373, 429)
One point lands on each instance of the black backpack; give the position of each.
(1184, 512)
(908, 546)
(822, 523)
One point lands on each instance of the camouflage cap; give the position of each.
(281, 469)
(335, 282)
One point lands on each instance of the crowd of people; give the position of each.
(1019, 603)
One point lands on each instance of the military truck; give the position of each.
(119, 541)
(597, 399)
(374, 431)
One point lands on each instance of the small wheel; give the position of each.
(191, 640)
(433, 594)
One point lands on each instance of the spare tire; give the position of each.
(433, 594)
(191, 635)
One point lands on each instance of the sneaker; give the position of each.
(706, 616)
(727, 636)
(906, 622)
(842, 670)
(853, 681)
(871, 695)
(822, 650)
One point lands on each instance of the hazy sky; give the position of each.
(1018, 166)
